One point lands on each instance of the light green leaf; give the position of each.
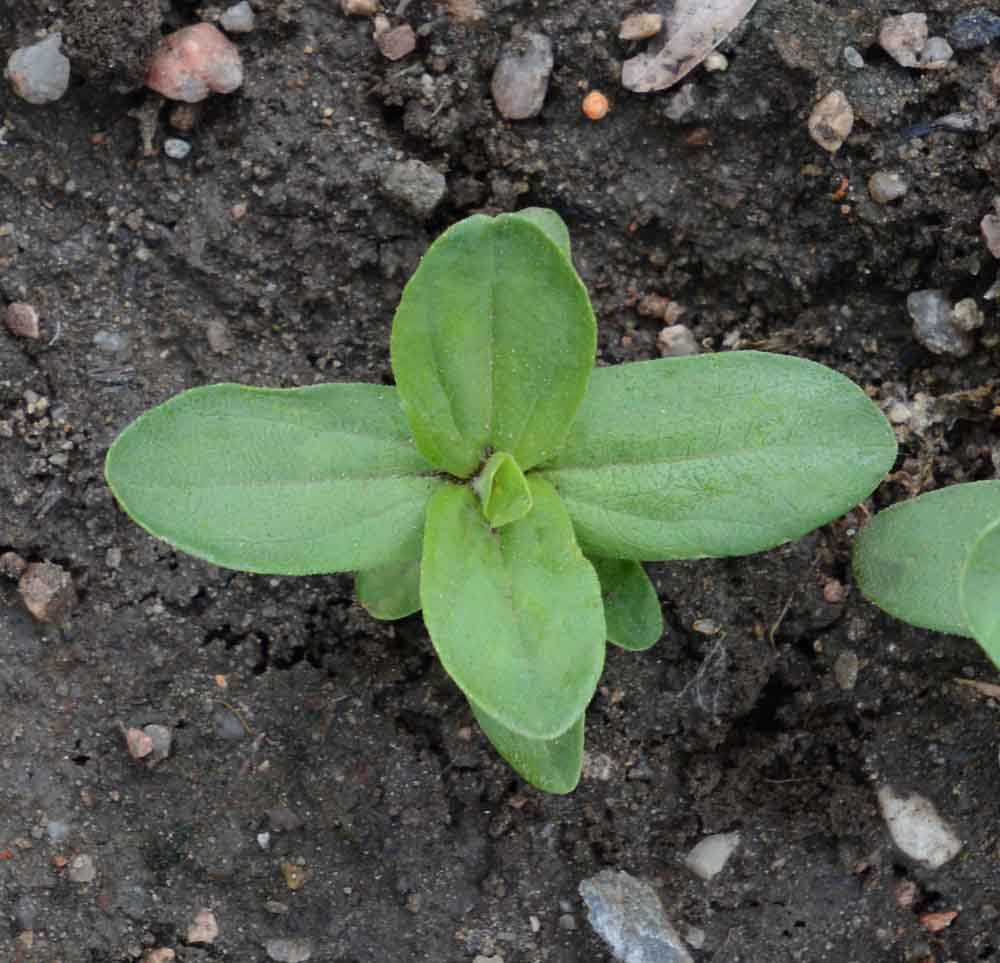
(292, 481)
(980, 591)
(503, 490)
(720, 454)
(631, 606)
(391, 591)
(909, 559)
(551, 223)
(515, 614)
(492, 344)
(552, 765)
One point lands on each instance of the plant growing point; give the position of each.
(505, 487)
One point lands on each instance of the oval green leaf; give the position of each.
(391, 591)
(908, 560)
(722, 454)
(492, 344)
(503, 490)
(282, 481)
(631, 605)
(515, 614)
(980, 591)
(551, 223)
(552, 765)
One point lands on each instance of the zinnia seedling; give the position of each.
(504, 487)
(934, 562)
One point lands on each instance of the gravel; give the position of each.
(521, 78)
(39, 74)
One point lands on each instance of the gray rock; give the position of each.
(238, 18)
(904, 37)
(176, 149)
(626, 913)
(990, 228)
(82, 869)
(415, 186)
(39, 74)
(161, 739)
(25, 911)
(931, 312)
(289, 951)
(227, 725)
(974, 29)
(521, 78)
(936, 55)
(676, 341)
(853, 57)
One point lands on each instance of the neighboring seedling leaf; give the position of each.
(391, 591)
(980, 591)
(552, 765)
(292, 481)
(492, 344)
(722, 454)
(631, 606)
(908, 560)
(515, 614)
(551, 223)
(503, 490)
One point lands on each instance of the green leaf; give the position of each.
(722, 454)
(980, 591)
(631, 605)
(390, 591)
(503, 490)
(492, 344)
(908, 560)
(515, 614)
(552, 765)
(292, 481)
(551, 223)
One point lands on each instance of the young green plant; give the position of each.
(505, 487)
(934, 562)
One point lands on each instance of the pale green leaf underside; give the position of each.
(285, 481)
(552, 765)
(491, 344)
(551, 223)
(909, 559)
(390, 591)
(980, 591)
(631, 606)
(503, 490)
(722, 454)
(515, 614)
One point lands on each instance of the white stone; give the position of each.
(917, 828)
(238, 18)
(39, 74)
(204, 928)
(709, 857)
(640, 26)
(936, 55)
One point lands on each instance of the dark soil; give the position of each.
(416, 842)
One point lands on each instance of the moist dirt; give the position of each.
(326, 782)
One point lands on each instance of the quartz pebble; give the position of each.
(853, 57)
(193, 62)
(904, 37)
(936, 55)
(966, 316)
(677, 341)
(917, 828)
(238, 18)
(931, 312)
(82, 869)
(47, 591)
(716, 62)
(204, 928)
(831, 121)
(39, 74)
(709, 857)
(975, 28)
(887, 186)
(640, 26)
(521, 78)
(397, 43)
(176, 149)
(626, 913)
(289, 951)
(415, 186)
(22, 320)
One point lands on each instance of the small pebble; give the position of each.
(227, 725)
(359, 8)
(217, 334)
(695, 937)
(974, 29)
(22, 320)
(138, 743)
(176, 149)
(415, 186)
(12, 565)
(162, 955)
(936, 55)
(917, 828)
(845, 670)
(853, 57)
(397, 43)
(283, 820)
(935, 922)
(595, 105)
(521, 77)
(204, 928)
(709, 857)
(640, 26)
(161, 741)
(716, 62)
(47, 591)
(931, 312)
(989, 226)
(677, 341)
(238, 18)
(193, 62)
(567, 922)
(904, 37)
(831, 121)
(295, 876)
(887, 186)
(39, 74)
(82, 869)
(112, 342)
(966, 316)
(57, 831)
(289, 951)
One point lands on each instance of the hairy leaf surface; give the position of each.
(552, 765)
(492, 344)
(291, 481)
(980, 591)
(631, 606)
(722, 454)
(515, 614)
(503, 490)
(551, 223)
(390, 591)
(909, 559)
